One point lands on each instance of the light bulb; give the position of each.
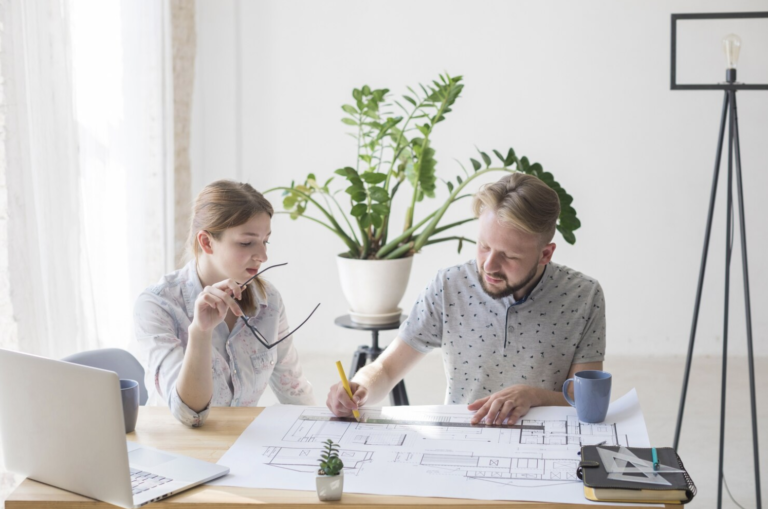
(731, 47)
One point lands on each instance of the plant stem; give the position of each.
(336, 227)
(344, 215)
(444, 239)
(424, 148)
(384, 232)
(452, 225)
(400, 251)
(322, 224)
(424, 236)
(397, 149)
(386, 249)
(389, 246)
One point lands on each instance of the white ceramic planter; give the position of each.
(374, 288)
(330, 487)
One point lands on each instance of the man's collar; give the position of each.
(539, 286)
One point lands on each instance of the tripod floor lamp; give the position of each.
(732, 46)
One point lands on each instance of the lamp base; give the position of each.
(730, 75)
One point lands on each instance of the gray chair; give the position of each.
(113, 359)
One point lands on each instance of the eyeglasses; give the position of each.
(259, 336)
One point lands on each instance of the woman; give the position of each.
(196, 350)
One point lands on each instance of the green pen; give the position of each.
(655, 459)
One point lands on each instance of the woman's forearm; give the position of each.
(195, 382)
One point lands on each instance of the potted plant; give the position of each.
(393, 150)
(330, 477)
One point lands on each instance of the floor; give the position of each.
(658, 382)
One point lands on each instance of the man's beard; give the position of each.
(510, 289)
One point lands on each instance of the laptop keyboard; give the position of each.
(143, 481)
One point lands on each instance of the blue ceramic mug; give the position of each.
(592, 390)
(129, 390)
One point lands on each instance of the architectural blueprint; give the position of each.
(430, 451)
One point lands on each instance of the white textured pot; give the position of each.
(330, 487)
(374, 288)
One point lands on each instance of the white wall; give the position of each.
(581, 87)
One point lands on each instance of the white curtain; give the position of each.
(86, 149)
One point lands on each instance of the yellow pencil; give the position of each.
(346, 387)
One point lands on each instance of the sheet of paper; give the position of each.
(430, 451)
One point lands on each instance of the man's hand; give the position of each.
(509, 404)
(338, 400)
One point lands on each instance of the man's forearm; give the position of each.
(376, 380)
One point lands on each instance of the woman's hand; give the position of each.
(214, 302)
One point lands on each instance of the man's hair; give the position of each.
(522, 201)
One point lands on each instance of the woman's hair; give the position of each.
(225, 204)
(522, 201)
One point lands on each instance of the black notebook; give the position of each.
(631, 485)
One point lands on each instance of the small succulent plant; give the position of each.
(330, 463)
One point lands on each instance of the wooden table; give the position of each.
(158, 428)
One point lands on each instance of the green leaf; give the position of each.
(569, 222)
(373, 178)
(378, 194)
(377, 220)
(359, 196)
(501, 157)
(461, 244)
(450, 186)
(422, 174)
(476, 164)
(350, 109)
(351, 190)
(486, 159)
(409, 99)
(359, 209)
(567, 235)
(458, 177)
(365, 220)
(510, 158)
(380, 209)
(289, 202)
(349, 121)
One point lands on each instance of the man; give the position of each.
(512, 325)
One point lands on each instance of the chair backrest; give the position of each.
(113, 359)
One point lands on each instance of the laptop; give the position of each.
(62, 424)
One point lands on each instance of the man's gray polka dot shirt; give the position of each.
(489, 344)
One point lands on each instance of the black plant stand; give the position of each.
(734, 153)
(365, 353)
